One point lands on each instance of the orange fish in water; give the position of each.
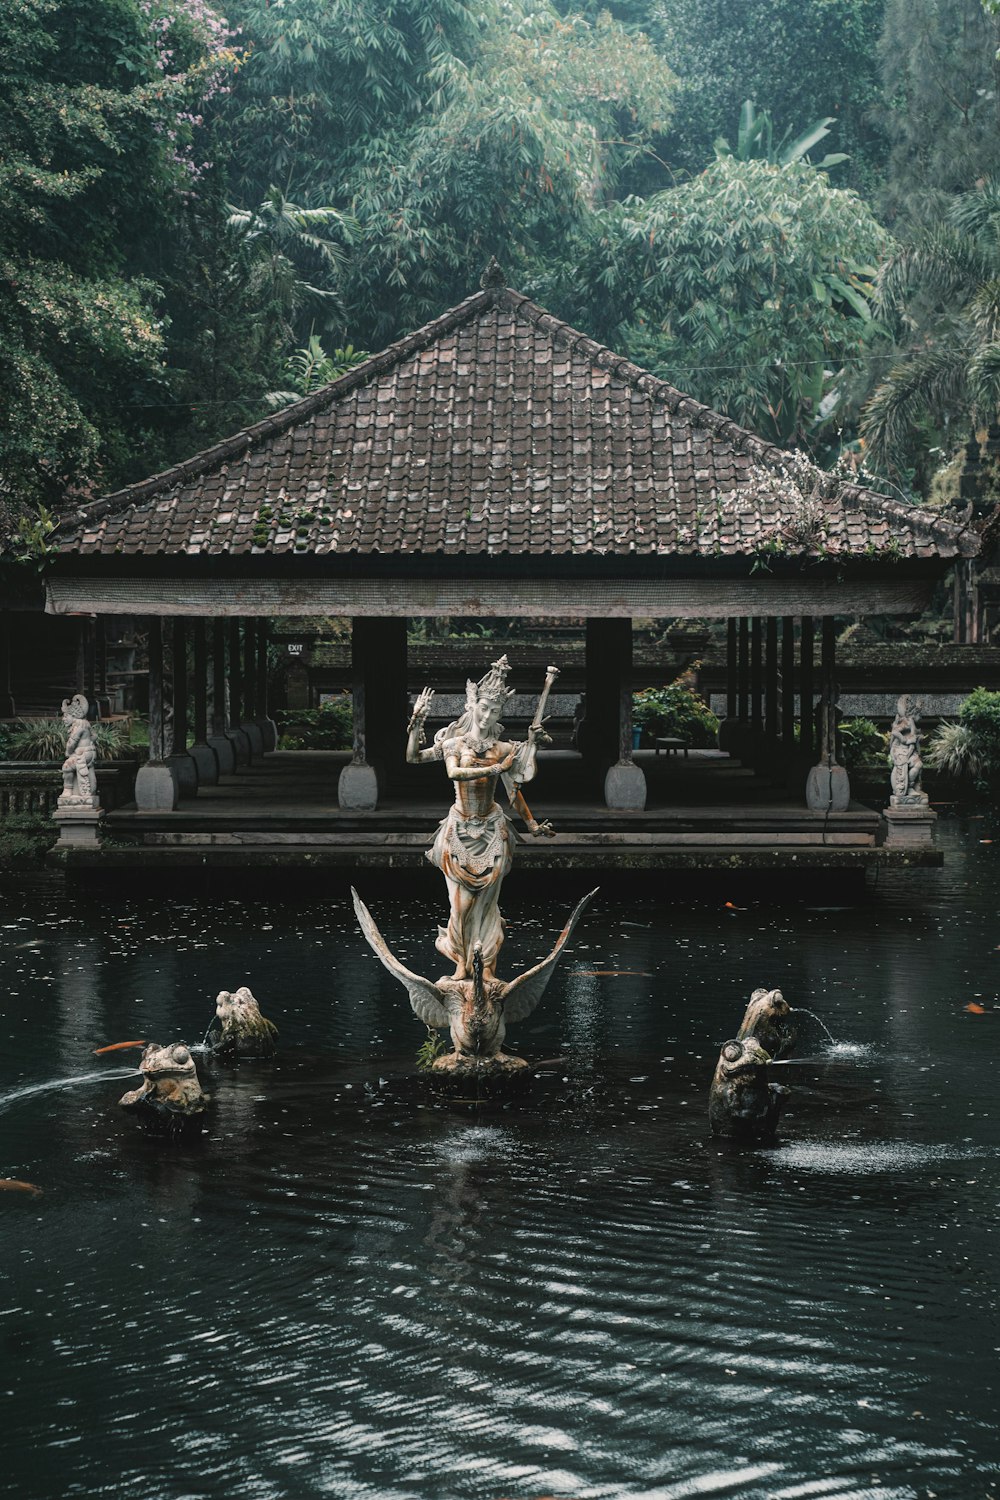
(15, 1185)
(117, 1047)
(975, 1010)
(609, 973)
(731, 907)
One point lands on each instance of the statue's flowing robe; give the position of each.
(473, 854)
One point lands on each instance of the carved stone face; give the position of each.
(741, 1058)
(484, 715)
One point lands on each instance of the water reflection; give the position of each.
(348, 1289)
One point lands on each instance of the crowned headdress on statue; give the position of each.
(76, 707)
(493, 688)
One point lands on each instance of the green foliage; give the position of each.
(445, 131)
(310, 368)
(430, 1048)
(971, 748)
(329, 727)
(862, 744)
(942, 296)
(939, 103)
(755, 141)
(676, 710)
(795, 58)
(748, 287)
(45, 739)
(25, 838)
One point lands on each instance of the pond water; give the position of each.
(347, 1290)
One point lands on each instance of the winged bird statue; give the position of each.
(476, 1011)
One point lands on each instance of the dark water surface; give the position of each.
(349, 1291)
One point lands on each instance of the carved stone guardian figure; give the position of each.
(79, 777)
(905, 764)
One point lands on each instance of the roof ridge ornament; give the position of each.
(493, 275)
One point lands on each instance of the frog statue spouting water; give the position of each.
(742, 1104)
(767, 1019)
(170, 1097)
(241, 1030)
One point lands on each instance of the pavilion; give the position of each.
(494, 463)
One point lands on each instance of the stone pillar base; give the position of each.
(357, 788)
(909, 825)
(253, 732)
(269, 733)
(78, 826)
(221, 747)
(828, 789)
(625, 787)
(241, 746)
(156, 787)
(206, 764)
(186, 771)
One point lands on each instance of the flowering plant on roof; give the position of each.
(787, 504)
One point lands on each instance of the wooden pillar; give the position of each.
(183, 764)
(743, 673)
(382, 646)
(156, 787)
(357, 788)
(249, 671)
(89, 641)
(7, 707)
(756, 676)
(772, 725)
(788, 681)
(268, 728)
(727, 728)
(237, 733)
(605, 735)
(204, 756)
(101, 664)
(828, 685)
(219, 740)
(828, 787)
(806, 639)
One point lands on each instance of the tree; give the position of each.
(748, 287)
(796, 58)
(942, 296)
(940, 104)
(97, 127)
(447, 132)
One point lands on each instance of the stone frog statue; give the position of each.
(742, 1104)
(241, 1030)
(767, 1019)
(171, 1096)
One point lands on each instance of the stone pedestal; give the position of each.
(254, 734)
(79, 826)
(185, 770)
(206, 763)
(625, 787)
(828, 789)
(156, 787)
(911, 824)
(221, 747)
(269, 734)
(241, 746)
(357, 788)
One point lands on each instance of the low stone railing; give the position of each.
(34, 785)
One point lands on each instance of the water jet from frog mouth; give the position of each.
(800, 1010)
(16, 1095)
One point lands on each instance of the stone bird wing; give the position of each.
(425, 997)
(524, 992)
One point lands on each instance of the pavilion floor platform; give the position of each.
(704, 812)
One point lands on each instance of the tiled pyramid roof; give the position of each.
(494, 429)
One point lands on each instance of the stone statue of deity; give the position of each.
(78, 774)
(473, 846)
(904, 756)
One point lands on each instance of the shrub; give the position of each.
(972, 746)
(329, 727)
(45, 739)
(26, 837)
(863, 744)
(676, 710)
